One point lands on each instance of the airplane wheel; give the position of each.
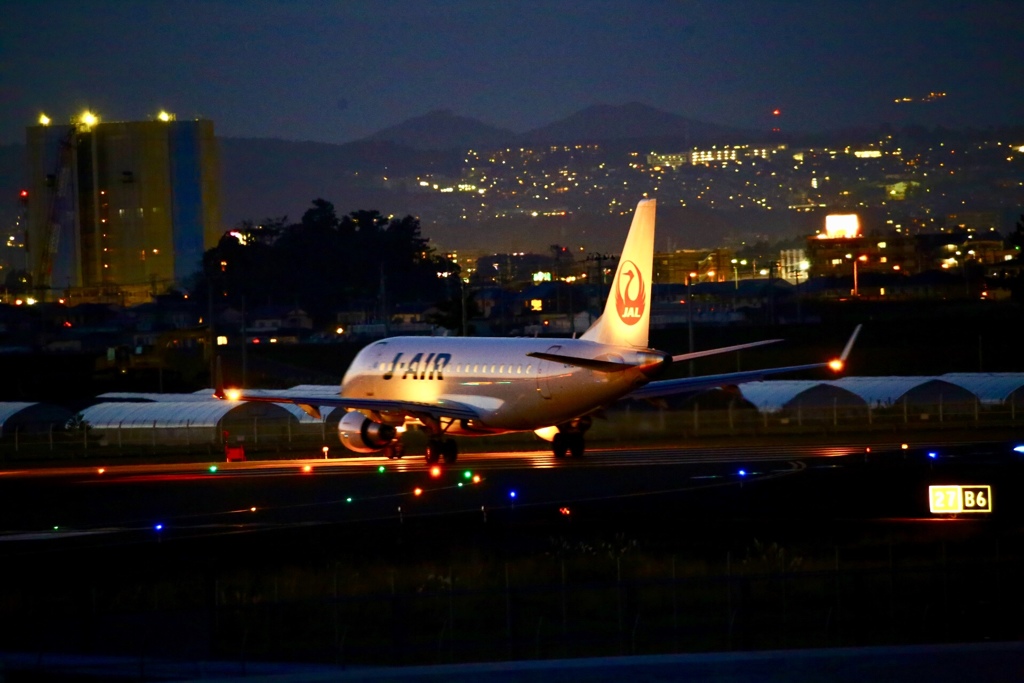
(450, 451)
(560, 445)
(576, 445)
(433, 452)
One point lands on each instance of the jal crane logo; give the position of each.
(630, 293)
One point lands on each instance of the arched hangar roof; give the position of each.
(989, 387)
(191, 412)
(9, 410)
(153, 396)
(32, 415)
(181, 414)
(160, 414)
(883, 391)
(775, 395)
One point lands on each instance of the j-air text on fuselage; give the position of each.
(462, 386)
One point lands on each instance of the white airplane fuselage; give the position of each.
(510, 390)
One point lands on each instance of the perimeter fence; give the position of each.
(270, 437)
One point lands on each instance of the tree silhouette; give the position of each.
(324, 263)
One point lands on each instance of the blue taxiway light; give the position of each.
(932, 455)
(511, 494)
(1018, 449)
(159, 527)
(743, 473)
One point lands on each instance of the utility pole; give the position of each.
(689, 315)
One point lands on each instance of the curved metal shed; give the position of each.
(31, 417)
(991, 388)
(777, 395)
(114, 396)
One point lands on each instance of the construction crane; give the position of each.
(59, 216)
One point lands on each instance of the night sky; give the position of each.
(337, 71)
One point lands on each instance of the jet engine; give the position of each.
(361, 434)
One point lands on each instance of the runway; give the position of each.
(139, 501)
(637, 549)
(514, 460)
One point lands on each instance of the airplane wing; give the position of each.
(671, 387)
(311, 404)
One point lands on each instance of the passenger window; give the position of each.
(529, 369)
(501, 369)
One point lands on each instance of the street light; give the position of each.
(862, 257)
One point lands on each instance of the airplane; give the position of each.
(469, 387)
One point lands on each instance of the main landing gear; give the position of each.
(442, 448)
(568, 443)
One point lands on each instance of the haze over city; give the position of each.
(337, 72)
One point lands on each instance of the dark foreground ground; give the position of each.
(808, 554)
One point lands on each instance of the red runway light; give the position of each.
(418, 491)
(476, 478)
(307, 468)
(435, 471)
(101, 470)
(564, 511)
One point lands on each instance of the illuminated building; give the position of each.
(681, 265)
(120, 210)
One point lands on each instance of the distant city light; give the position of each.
(44, 120)
(88, 119)
(165, 116)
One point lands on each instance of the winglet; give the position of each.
(839, 363)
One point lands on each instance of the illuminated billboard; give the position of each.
(841, 226)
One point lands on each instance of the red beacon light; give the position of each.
(836, 365)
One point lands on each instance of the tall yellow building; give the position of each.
(124, 207)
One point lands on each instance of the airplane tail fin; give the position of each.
(627, 313)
